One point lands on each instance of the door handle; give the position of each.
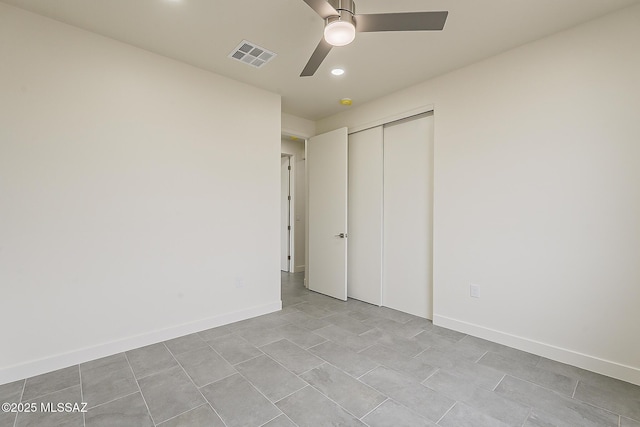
(341, 235)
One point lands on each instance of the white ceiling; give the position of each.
(203, 33)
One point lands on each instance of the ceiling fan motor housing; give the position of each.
(346, 10)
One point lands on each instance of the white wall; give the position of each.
(537, 194)
(297, 126)
(296, 149)
(135, 202)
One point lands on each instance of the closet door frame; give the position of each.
(380, 122)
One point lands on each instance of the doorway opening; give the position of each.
(286, 208)
(292, 204)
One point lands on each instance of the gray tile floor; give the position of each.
(323, 362)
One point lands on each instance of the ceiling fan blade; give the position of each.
(322, 8)
(409, 21)
(318, 55)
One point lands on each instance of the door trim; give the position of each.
(292, 251)
(392, 118)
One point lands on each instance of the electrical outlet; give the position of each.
(474, 290)
(240, 283)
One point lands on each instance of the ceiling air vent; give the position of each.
(251, 54)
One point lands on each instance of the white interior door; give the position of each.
(364, 275)
(327, 201)
(408, 224)
(285, 219)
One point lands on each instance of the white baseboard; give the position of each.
(298, 269)
(59, 361)
(559, 354)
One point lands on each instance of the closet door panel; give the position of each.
(364, 277)
(408, 194)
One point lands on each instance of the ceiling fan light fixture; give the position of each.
(341, 22)
(339, 32)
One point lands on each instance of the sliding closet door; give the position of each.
(408, 194)
(364, 276)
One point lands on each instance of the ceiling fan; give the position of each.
(341, 24)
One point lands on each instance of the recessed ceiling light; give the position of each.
(346, 101)
(337, 71)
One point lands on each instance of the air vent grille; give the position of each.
(251, 54)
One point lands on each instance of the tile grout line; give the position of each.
(527, 417)
(324, 362)
(326, 340)
(154, 372)
(194, 384)
(264, 424)
(418, 414)
(588, 403)
(259, 391)
(84, 420)
(221, 356)
(258, 346)
(501, 379)
(313, 346)
(483, 355)
(24, 385)
(435, 371)
(563, 395)
(182, 413)
(311, 385)
(637, 420)
(287, 417)
(139, 388)
(423, 351)
(285, 338)
(448, 410)
(345, 372)
(50, 393)
(290, 394)
(225, 359)
(369, 371)
(339, 405)
(244, 361)
(366, 348)
(632, 419)
(377, 406)
(573, 395)
(413, 336)
(213, 382)
(113, 400)
(293, 373)
(263, 395)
